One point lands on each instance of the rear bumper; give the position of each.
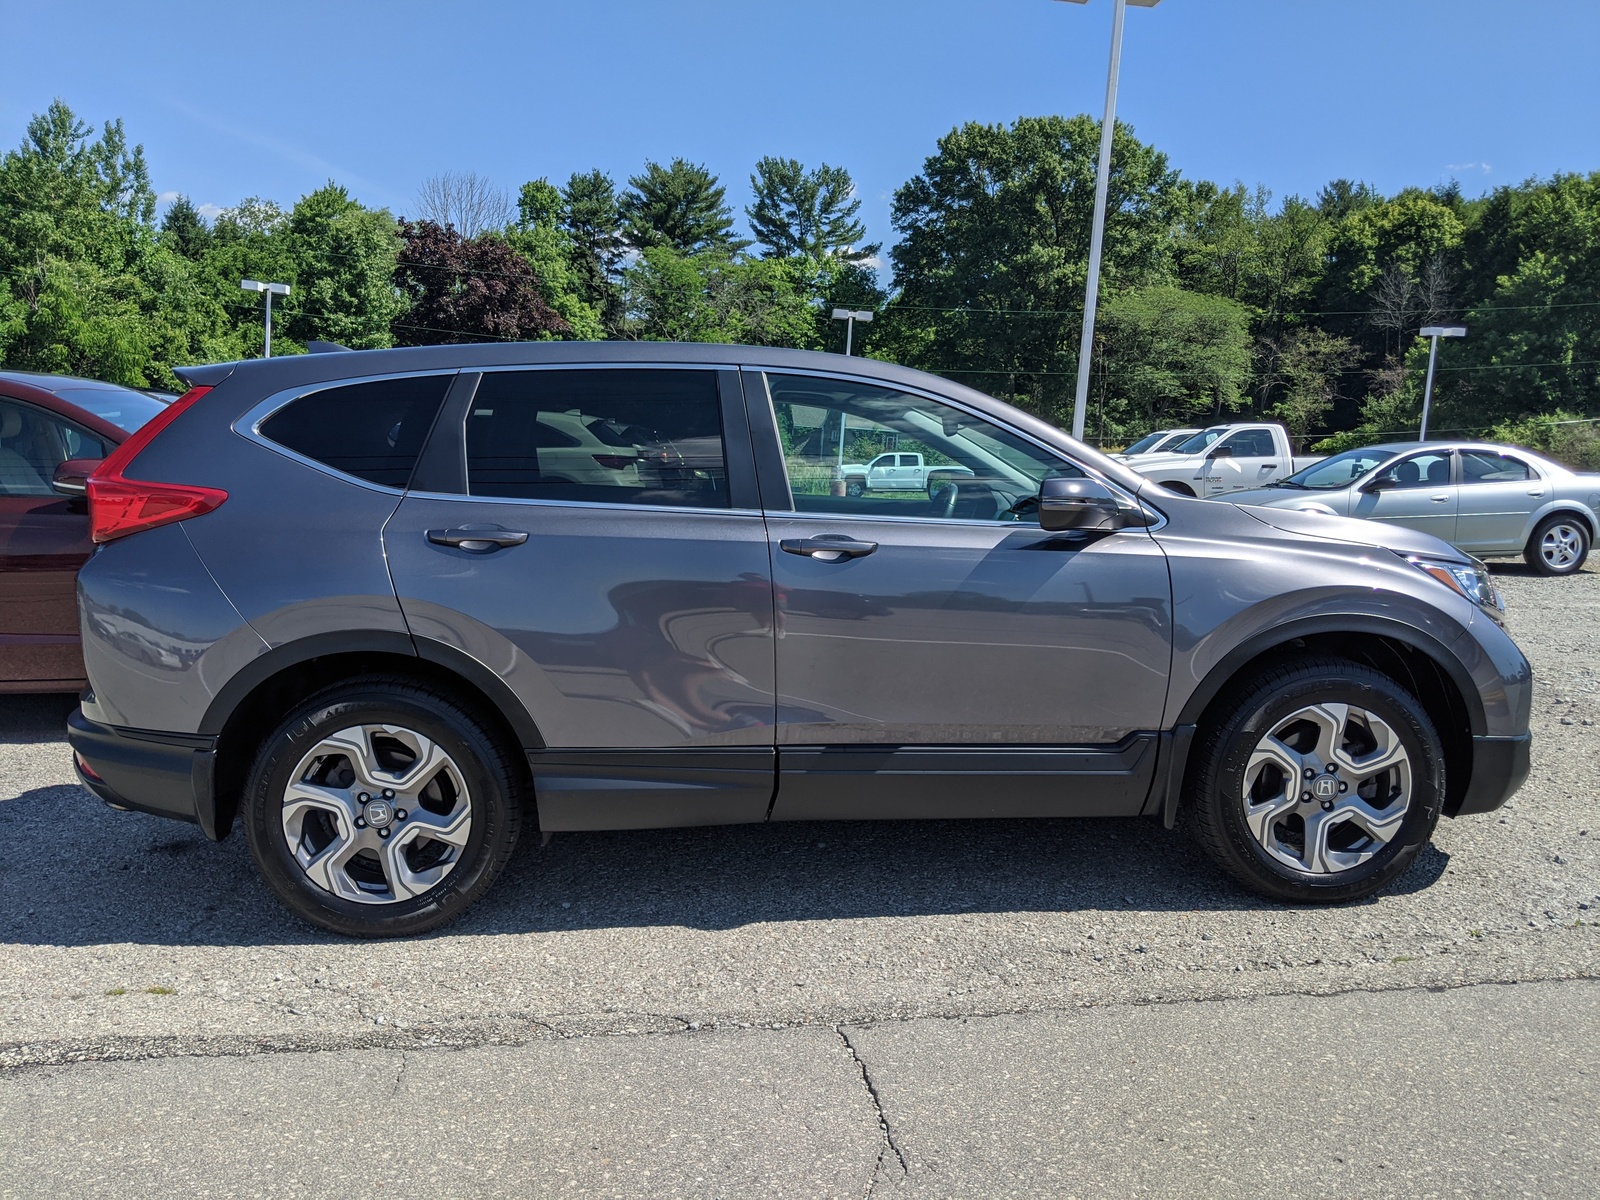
(165, 774)
(1499, 765)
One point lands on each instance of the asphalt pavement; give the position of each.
(961, 1009)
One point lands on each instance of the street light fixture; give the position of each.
(845, 314)
(1080, 408)
(1435, 332)
(271, 290)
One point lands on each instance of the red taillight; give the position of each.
(614, 462)
(119, 506)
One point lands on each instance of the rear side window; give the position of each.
(373, 430)
(1478, 466)
(598, 437)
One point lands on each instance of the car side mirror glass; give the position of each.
(1083, 505)
(72, 477)
(1221, 452)
(1381, 484)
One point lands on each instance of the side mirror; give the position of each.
(72, 477)
(1381, 484)
(1221, 452)
(1085, 505)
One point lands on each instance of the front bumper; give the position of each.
(165, 774)
(1499, 765)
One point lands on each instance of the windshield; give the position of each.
(1341, 470)
(1200, 441)
(126, 409)
(1146, 443)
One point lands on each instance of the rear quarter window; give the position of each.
(373, 430)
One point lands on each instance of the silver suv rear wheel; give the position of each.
(383, 807)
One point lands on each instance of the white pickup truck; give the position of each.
(897, 471)
(1223, 459)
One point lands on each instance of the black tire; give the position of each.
(1180, 489)
(1559, 558)
(484, 762)
(1256, 706)
(854, 487)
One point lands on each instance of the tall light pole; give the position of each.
(271, 290)
(1435, 332)
(1091, 295)
(844, 314)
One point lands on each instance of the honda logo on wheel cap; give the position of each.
(1326, 787)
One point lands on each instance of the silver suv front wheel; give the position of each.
(1316, 780)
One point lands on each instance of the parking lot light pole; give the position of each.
(270, 290)
(850, 318)
(1435, 332)
(1091, 296)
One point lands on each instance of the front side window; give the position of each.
(1339, 471)
(1420, 470)
(1250, 443)
(33, 443)
(373, 430)
(1481, 466)
(604, 436)
(975, 470)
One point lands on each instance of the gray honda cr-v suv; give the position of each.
(385, 607)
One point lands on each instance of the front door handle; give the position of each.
(828, 547)
(1440, 499)
(479, 539)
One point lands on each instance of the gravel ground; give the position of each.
(127, 937)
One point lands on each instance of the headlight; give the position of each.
(1471, 580)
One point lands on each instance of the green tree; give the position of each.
(994, 245)
(343, 257)
(1310, 369)
(806, 213)
(714, 298)
(593, 222)
(680, 206)
(184, 229)
(540, 237)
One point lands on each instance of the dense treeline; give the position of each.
(1217, 301)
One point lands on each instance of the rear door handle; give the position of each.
(828, 547)
(477, 538)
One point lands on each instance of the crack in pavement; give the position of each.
(394, 1089)
(889, 1144)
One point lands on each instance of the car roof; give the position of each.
(57, 384)
(55, 392)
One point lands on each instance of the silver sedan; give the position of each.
(1484, 498)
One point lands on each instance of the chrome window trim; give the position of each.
(248, 425)
(598, 506)
(927, 394)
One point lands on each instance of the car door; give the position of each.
(1417, 492)
(1242, 460)
(1498, 492)
(629, 611)
(883, 473)
(942, 655)
(44, 539)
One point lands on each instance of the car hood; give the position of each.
(1274, 497)
(1397, 538)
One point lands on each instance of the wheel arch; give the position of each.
(271, 685)
(1414, 659)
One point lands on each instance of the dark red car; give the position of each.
(45, 421)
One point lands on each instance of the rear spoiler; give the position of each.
(204, 374)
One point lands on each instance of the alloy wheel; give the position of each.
(377, 814)
(1561, 546)
(1327, 788)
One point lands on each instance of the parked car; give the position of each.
(382, 658)
(1482, 497)
(1156, 443)
(1223, 459)
(46, 421)
(897, 472)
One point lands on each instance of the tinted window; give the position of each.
(1199, 442)
(1339, 471)
(1478, 466)
(977, 471)
(372, 430)
(600, 437)
(1251, 443)
(33, 443)
(122, 407)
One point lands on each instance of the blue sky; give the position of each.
(234, 99)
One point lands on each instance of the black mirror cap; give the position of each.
(1083, 505)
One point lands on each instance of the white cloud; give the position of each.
(210, 211)
(167, 197)
(875, 261)
(1456, 168)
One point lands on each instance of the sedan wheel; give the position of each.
(382, 808)
(1317, 780)
(1558, 546)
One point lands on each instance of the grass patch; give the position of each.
(1402, 958)
(158, 990)
(116, 991)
